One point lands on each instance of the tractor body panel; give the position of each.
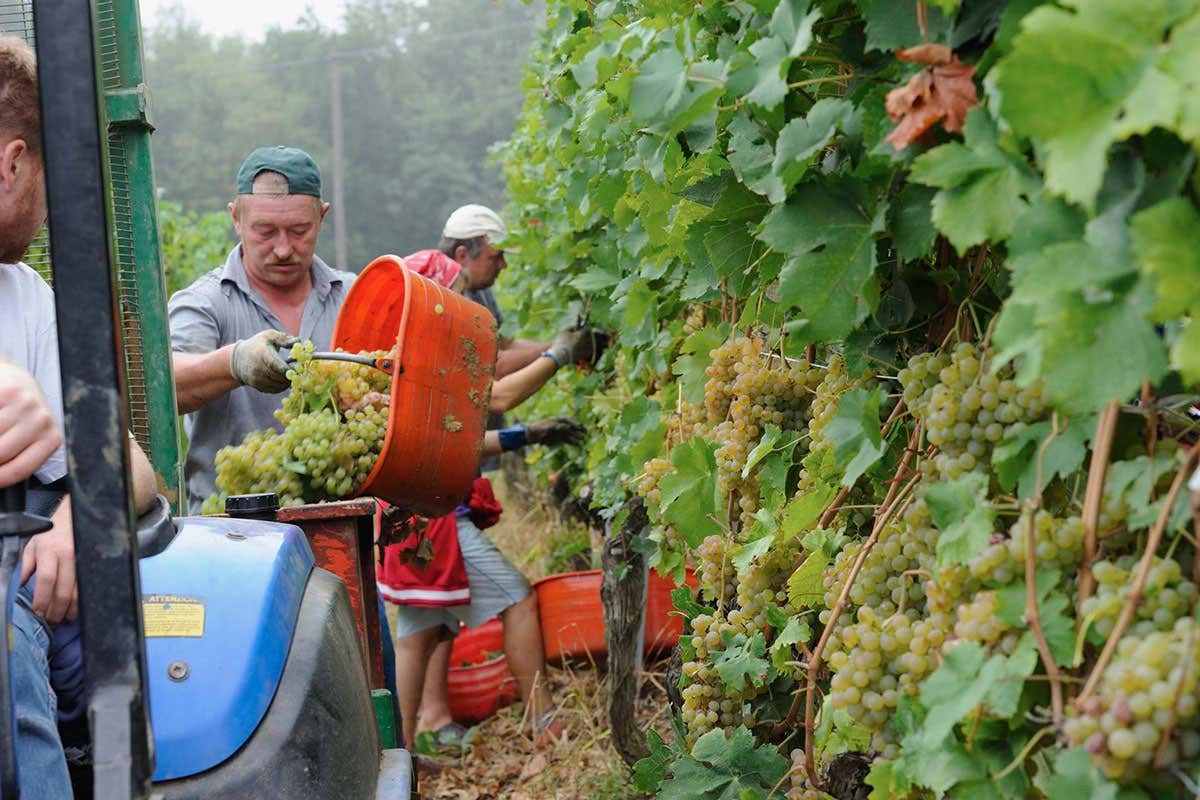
(318, 739)
(220, 605)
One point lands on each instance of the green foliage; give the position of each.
(742, 662)
(693, 172)
(960, 511)
(691, 496)
(722, 768)
(854, 432)
(192, 243)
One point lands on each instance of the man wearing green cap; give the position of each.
(227, 327)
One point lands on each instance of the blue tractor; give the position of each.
(219, 661)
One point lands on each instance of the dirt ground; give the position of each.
(501, 760)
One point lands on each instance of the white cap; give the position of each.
(470, 221)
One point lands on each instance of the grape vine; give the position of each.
(905, 369)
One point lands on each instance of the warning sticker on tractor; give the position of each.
(172, 615)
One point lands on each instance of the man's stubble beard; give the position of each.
(18, 232)
(12, 252)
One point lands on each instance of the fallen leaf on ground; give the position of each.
(534, 766)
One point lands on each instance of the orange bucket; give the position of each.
(663, 627)
(571, 614)
(478, 691)
(445, 352)
(473, 644)
(479, 681)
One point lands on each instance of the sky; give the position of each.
(248, 18)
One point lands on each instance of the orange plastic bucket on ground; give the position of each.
(475, 645)
(479, 681)
(664, 625)
(571, 614)
(445, 352)
(480, 690)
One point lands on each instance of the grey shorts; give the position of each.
(495, 585)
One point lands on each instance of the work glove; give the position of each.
(556, 430)
(574, 346)
(256, 361)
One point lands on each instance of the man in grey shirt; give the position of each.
(227, 327)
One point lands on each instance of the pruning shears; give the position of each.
(385, 364)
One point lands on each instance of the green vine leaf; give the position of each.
(741, 663)
(1166, 239)
(983, 188)
(1081, 78)
(722, 768)
(854, 432)
(690, 494)
(960, 511)
(827, 230)
(956, 689)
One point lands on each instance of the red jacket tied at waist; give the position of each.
(444, 581)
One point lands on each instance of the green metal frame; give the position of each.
(140, 277)
(133, 210)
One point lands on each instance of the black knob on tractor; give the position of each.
(252, 506)
(14, 521)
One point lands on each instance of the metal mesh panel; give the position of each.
(16, 17)
(122, 220)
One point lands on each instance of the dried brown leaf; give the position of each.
(534, 766)
(943, 91)
(929, 54)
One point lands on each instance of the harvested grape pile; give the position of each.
(334, 421)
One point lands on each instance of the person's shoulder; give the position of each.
(24, 278)
(21, 286)
(205, 287)
(342, 281)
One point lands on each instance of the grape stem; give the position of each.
(891, 504)
(1139, 584)
(1196, 535)
(1025, 751)
(1147, 402)
(1106, 428)
(840, 499)
(1031, 602)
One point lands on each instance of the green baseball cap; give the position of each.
(303, 175)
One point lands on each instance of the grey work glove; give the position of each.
(574, 346)
(556, 430)
(256, 361)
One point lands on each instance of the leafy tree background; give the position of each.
(427, 88)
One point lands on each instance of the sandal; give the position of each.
(548, 728)
(451, 734)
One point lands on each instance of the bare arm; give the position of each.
(145, 487)
(201, 378)
(491, 445)
(511, 390)
(516, 354)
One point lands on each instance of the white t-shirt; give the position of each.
(29, 338)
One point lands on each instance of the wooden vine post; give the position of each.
(623, 592)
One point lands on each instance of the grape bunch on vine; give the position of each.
(905, 372)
